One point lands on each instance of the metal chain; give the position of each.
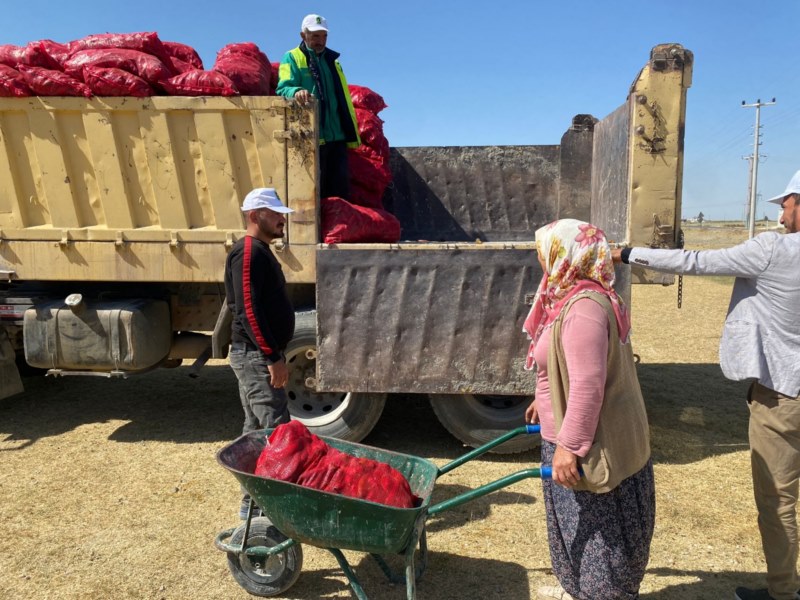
(681, 240)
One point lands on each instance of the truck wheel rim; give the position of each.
(313, 409)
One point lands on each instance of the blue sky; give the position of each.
(516, 72)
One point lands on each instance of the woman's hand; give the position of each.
(565, 467)
(531, 414)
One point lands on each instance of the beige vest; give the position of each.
(621, 444)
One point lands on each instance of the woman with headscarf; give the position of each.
(600, 504)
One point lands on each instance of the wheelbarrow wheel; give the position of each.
(269, 575)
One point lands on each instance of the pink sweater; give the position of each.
(584, 336)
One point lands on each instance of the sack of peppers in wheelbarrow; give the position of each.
(296, 455)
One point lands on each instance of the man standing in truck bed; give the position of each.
(263, 316)
(312, 70)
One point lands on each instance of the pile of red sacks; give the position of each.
(132, 64)
(140, 64)
(361, 218)
(296, 455)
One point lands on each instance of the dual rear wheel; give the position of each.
(473, 419)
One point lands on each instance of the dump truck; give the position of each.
(116, 215)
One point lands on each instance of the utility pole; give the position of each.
(751, 213)
(749, 159)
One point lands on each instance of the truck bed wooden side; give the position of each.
(148, 189)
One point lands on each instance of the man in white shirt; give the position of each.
(760, 341)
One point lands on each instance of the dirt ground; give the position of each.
(110, 489)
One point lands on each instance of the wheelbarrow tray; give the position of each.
(328, 520)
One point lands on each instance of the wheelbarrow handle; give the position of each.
(527, 429)
(541, 472)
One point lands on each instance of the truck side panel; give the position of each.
(486, 193)
(148, 189)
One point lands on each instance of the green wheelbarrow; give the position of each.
(265, 554)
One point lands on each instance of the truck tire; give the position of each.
(476, 419)
(344, 415)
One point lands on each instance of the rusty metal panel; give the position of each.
(487, 193)
(425, 320)
(637, 172)
(575, 186)
(610, 180)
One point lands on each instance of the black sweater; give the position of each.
(263, 316)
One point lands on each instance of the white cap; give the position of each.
(264, 198)
(792, 188)
(314, 23)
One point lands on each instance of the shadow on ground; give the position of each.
(447, 577)
(694, 412)
(708, 585)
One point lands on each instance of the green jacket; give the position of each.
(337, 115)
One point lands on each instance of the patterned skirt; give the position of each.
(600, 543)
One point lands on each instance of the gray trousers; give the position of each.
(263, 405)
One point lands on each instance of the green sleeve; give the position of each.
(289, 81)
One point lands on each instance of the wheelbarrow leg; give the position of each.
(349, 573)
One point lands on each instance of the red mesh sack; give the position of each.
(243, 48)
(143, 41)
(108, 81)
(146, 66)
(364, 197)
(327, 474)
(12, 83)
(363, 97)
(57, 54)
(344, 222)
(183, 53)
(199, 83)
(291, 449)
(248, 68)
(30, 55)
(49, 82)
(273, 85)
(362, 478)
(370, 127)
(178, 66)
(368, 170)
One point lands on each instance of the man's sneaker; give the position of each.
(553, 592)
(244, 505)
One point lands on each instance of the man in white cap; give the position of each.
(313, 70)
(761, 342)
(263, 316)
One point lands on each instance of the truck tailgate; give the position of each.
(425, 318)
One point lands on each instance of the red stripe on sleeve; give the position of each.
(248, 296)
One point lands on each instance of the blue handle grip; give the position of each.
(546, 472)
(533, 428)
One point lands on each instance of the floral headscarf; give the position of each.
(577, 258)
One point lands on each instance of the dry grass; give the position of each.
(109, 489)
